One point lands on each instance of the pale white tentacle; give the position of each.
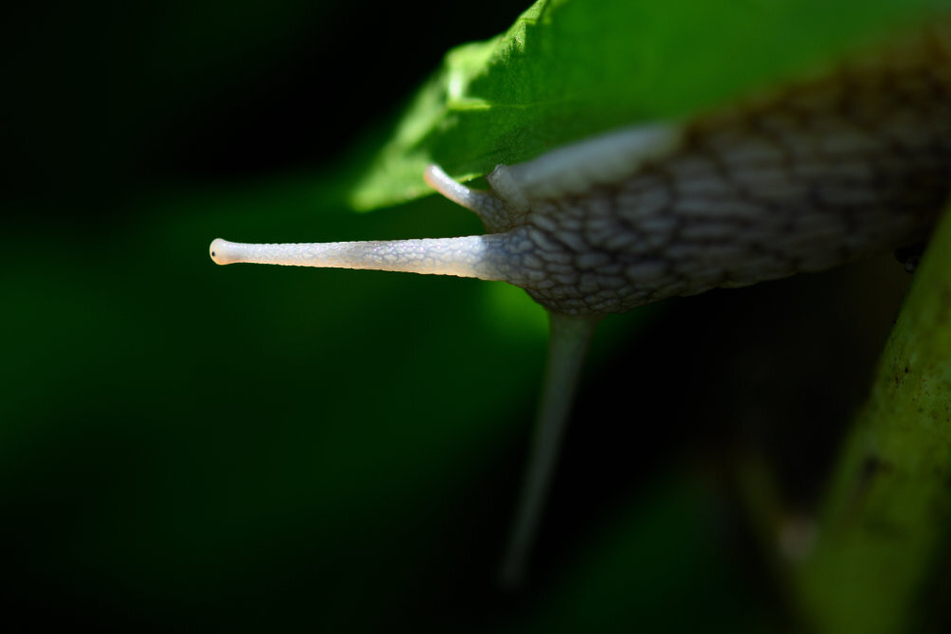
(567, 348)
(483, 257)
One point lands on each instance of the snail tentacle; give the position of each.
(567, 348)
(486, 257)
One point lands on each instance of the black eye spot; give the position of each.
(212, 254)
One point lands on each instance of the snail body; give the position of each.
(819, 174)
(839, 166)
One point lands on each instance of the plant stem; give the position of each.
(888, 511)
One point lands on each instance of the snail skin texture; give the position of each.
(835, 167)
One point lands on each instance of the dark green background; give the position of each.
(187, 447)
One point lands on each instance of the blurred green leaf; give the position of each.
(571, 68)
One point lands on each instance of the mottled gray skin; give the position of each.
(850, 164)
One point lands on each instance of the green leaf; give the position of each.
(571, 68)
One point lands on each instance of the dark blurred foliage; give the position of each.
(188, 448)
(108, 98)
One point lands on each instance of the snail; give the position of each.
(823, 171)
